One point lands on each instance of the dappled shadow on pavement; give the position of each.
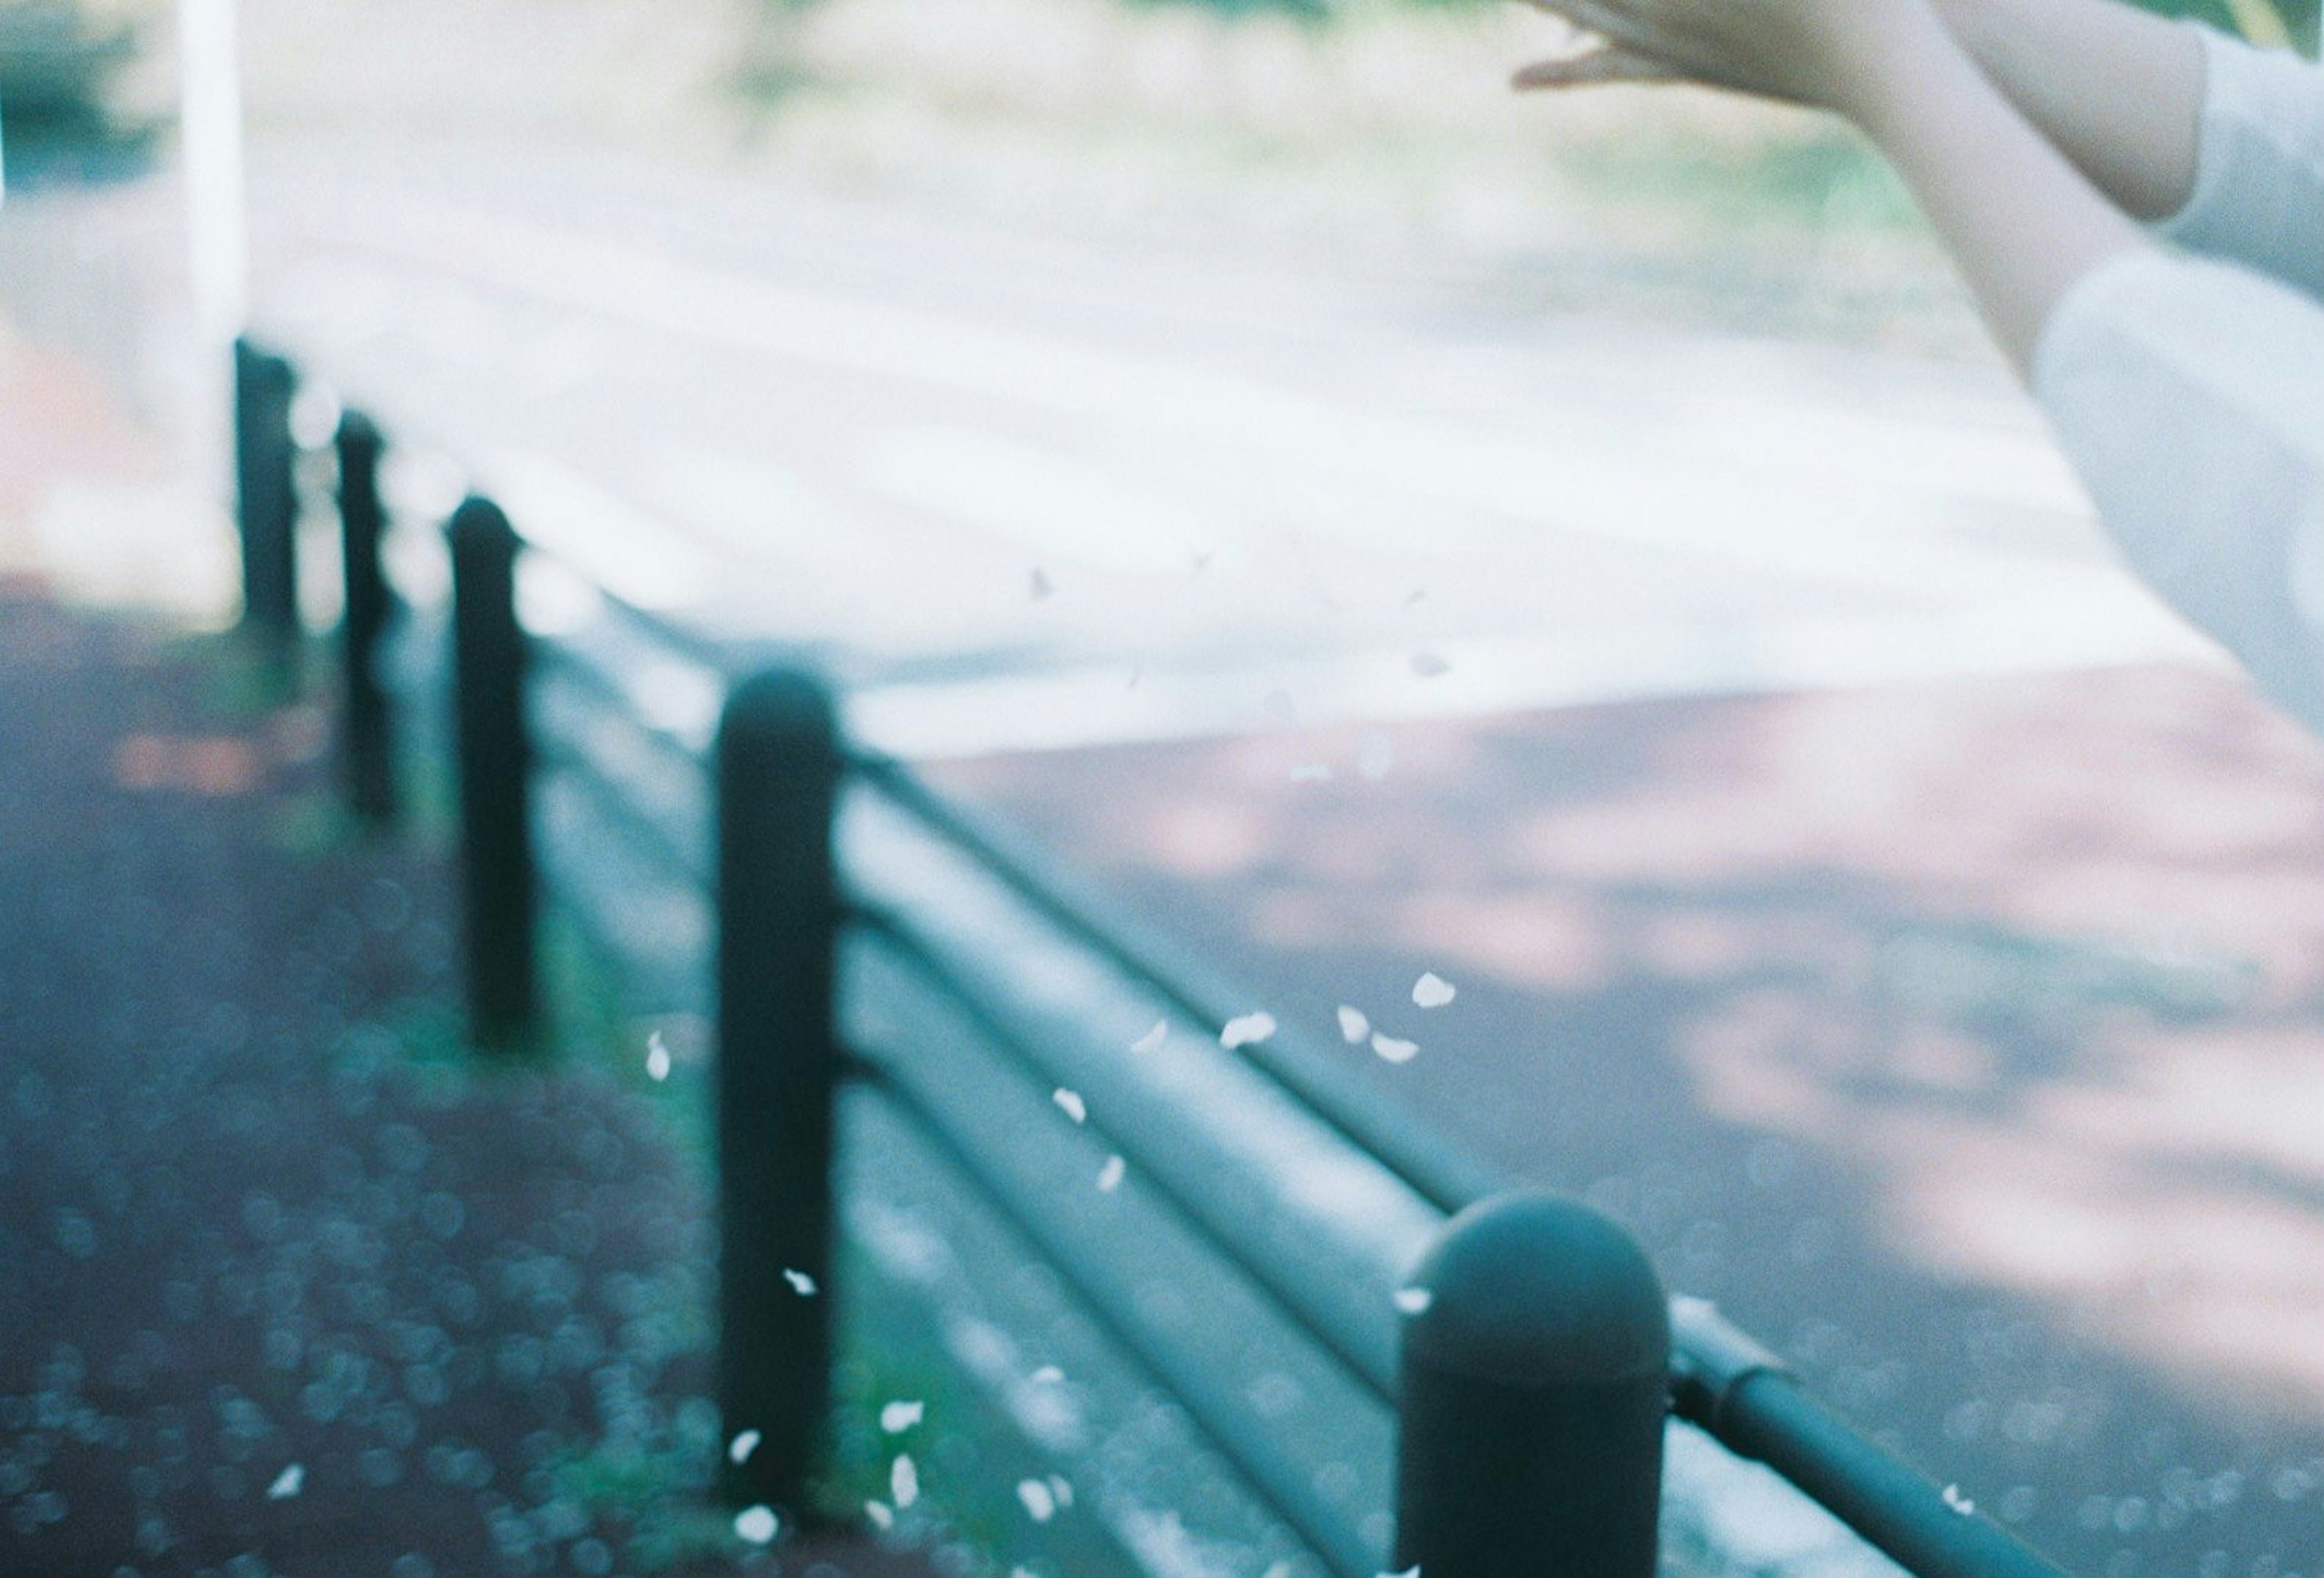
(287, 1284)
(1964, 1040)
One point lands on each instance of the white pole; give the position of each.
(211, 123)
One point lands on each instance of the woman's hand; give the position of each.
(2022, 222)
(1828, 53)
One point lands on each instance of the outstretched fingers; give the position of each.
(1606, 64)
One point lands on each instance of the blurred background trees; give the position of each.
(61, 110)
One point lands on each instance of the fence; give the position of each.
(1505, 1364)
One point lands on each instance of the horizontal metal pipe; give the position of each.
(1368, 1359)
(1442, 1173)
(646, 838)
(1740, 1394)
(1232, 1426)
(568, 663)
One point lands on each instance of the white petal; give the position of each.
(1244, 1030)
(745, 1443)
(287, 1483)
(1958, 1502)
(1151, 1042)
(1048, 1375)
(1429, 666)
(1394, 1050)
(1109, 1176)
(1040, 1501)
(801, 1283)
(657, 1057)
(881, 1514)
(903, 1482)
(1062, 1488)
(896, 1416)
(1071, 1104)
(757, 1524)
(1433, 990)
(1415, 1300)
(1353, 1026)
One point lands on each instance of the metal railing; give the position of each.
(1528, 1352)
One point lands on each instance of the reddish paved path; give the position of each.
(1964, 1040)
(259, 1217)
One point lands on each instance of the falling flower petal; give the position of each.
(1353, 1026)
(1415, 1300)
(287, 1483)
(801, 1283)
(657, 1057)
(1047, 1375)
(1042, 584)
(904, 1482)
(1040, 1501)
(1109, 1176)
(1244, 1030)
(898, 1417)
(1429, 666)
(881, 1514)
(1433, 990)
(1151, 1042)
(1071, 1104)
(757, 1524)
(745, 1443)
(1394, 1050)
(1958, 1502)
(1062, 1488)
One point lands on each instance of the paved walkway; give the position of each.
(288, 1286)
(1964, 1039)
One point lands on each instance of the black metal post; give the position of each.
(778, 764)
(495, 758)
(368, 742)
(1534, 1384)
(266, 502)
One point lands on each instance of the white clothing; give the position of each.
(2188, 392)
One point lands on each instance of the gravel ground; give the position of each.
(287, 1287)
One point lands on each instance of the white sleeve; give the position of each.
(2259, 164)
(2190, 396)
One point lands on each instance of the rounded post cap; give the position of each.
(1535, 1288)
(788, 704)
(356, 430)
(479, 523)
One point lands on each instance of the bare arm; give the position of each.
(2117, 90)
(2021, 221)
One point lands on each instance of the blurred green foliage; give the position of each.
(2262, 22)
